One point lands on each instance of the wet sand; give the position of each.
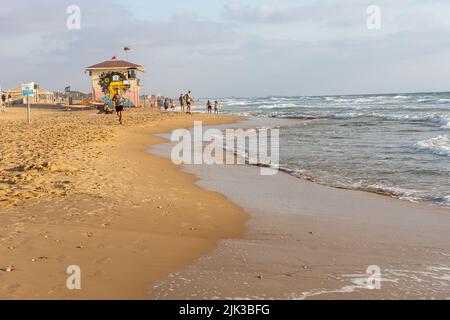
(309, 241)
(78, 189)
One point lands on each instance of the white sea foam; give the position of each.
(440, 119)
(426, 100)
(446, 201)
(358, 282)
(401, 97)
(278, 106)
(439, 145)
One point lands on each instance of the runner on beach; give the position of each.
(216, 107)
(188, 98)
(182, 102)
(118, 101)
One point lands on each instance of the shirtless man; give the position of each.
(182, 102)
(188, 98)
(118, 101)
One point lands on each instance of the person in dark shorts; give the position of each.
(188, 99)
(182, 102)
(118, 101)
(166, 104)
(209, 107)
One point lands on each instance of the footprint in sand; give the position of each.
(61, 258)
(12, 288)
(102, 260)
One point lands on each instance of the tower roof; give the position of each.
(115, 64)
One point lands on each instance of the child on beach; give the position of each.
(118, 101)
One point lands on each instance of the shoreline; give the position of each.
(310, 241)
(128, 219)
(254, 122)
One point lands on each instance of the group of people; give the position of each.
(209, 107)
(186, 102)
(5, 101)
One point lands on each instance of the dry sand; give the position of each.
(78, 189)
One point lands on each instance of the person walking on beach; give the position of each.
(118, 101)
(3, 103)
(188, 99)
(216, 107)
(166, 104)
(209, 107)
(181, 99)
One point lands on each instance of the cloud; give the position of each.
(324, 49)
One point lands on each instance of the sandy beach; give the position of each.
(78, 189)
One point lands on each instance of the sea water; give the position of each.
(395, 144)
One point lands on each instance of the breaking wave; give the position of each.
(439, 146)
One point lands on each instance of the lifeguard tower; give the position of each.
(112, 75)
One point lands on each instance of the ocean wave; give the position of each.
(400, 97)
(345, 116)
(426, 100)
(439, 146)
(231, 103)
(278, 106)
(439, 119)
(397, 192)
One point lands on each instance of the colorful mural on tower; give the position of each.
(113, 81)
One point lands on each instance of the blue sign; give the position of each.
(27, 92)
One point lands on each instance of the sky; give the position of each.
(232, 48)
